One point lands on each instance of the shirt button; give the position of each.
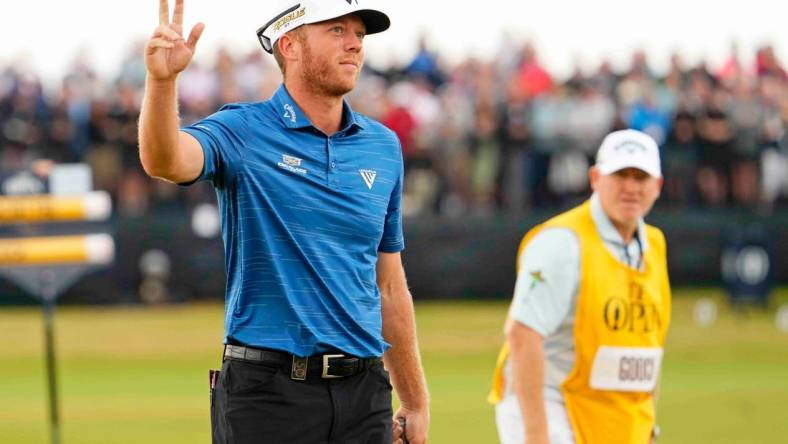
(333, 164)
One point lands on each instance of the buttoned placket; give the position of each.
(332, 172)
(632, 253)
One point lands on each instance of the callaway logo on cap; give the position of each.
(629, 149)
(313, 11)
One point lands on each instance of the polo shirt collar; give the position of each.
(606, 229)
(293, 117)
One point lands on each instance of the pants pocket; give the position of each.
(243, 377)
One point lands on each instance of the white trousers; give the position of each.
(511, 429)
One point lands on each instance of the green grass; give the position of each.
(139, 375)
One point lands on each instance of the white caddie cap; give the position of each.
(296, 13)
(629, 149)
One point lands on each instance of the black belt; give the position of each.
(328, 366)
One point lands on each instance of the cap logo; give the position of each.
(630, 147)
(288, 18)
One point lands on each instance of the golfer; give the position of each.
(319, 321)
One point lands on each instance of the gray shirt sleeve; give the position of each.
(547, 281)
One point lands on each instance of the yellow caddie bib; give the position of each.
(621, 320)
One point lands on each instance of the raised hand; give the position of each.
(167, 53)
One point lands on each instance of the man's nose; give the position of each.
(631, 184)
(353, 43)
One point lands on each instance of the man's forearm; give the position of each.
(527, 360)
(159, 126)
(402, 359)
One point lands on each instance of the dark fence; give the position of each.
(466, 258)
(476, 257)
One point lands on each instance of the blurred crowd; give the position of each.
(478, 136)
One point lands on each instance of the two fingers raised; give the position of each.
(170, 31)
(164, 13)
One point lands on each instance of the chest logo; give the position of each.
(634, 314)
(289, 113)
(292, 164)
(290, 160)
(368, 176)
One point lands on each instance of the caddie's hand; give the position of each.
(417, 424)
(166, 53)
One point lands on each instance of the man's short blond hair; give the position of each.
(297, 34)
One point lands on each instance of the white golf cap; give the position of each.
(629, 149)
(297, 13)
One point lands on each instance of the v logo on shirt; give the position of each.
(369, 177)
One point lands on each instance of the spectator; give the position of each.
(515, 144)
(486, 152)
(716, 141)
(731, 70)
(774, 159)
(766, 63)
(647, 116)
(498, 135)
(746, 119)
(398, 117)
(534, 79)
(680, 158)
(80, 86)
(425, 66)
(199, 92)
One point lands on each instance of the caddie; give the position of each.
(591, 308)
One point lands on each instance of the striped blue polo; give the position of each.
(303, 216)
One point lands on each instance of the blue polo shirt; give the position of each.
(303, 218)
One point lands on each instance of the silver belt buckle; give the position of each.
(325, 374)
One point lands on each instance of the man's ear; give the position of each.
(289, 46)
(660, 183)
(593, 177)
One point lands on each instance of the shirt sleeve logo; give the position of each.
(536, 278)
(368, 176)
